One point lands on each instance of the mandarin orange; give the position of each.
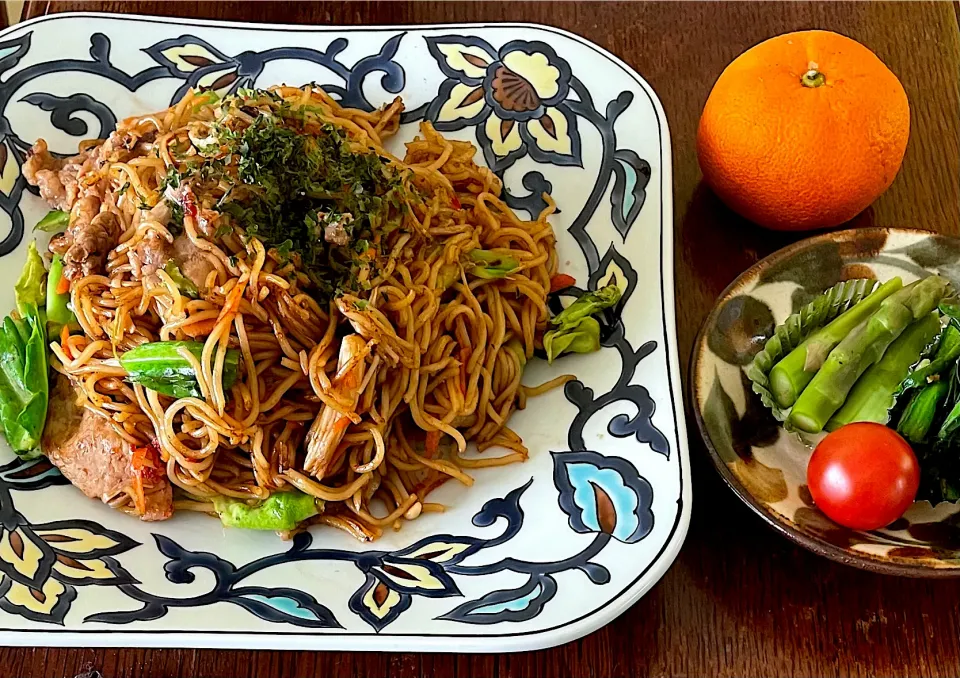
(803, 131)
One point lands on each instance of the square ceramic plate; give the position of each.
(533, 554)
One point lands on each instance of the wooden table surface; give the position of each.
(740, 600)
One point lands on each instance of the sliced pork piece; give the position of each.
(57, 178)
(150, 254)
(88, 239)
(193, 262)
(153, 252)
(93, 457)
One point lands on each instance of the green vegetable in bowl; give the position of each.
(918, 416)
(791, 375)
(160, 367)
(860, 349)
(796, 328)
(875, 392)
(279, 511)
(577, 331)
(947, 353)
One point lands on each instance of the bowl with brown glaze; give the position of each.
(766, 465)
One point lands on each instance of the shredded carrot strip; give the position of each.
(432, 444)
(63, 285)
(199, 329)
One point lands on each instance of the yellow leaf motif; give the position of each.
(413, 576)
(503, 134)
(464, 101)
(40, 602)
(469, 60)
(78, 570)
(17, 549)
(219, 81)
(438, 551)
(380, 599)
(190, 57)
(614, 275)
(75, 540)
(551, 132)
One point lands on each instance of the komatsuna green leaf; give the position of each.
(161, 367)
(182, 282)
(576, 330)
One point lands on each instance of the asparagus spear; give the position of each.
(860, 349)
(875, 392)
(791, 375)
(917, 418)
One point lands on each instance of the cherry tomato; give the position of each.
(863, 475)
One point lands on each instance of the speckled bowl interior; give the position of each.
(765, 465)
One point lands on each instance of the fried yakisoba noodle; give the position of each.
(366, 363)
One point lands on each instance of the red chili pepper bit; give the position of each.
(189, 204)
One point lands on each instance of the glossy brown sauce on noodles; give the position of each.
(365, 400)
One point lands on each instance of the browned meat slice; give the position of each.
(57, 179)
(150, 254)
(93, 457)
(193, 262)
(89, 238)
(154, 252)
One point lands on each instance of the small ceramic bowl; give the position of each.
(765, 465)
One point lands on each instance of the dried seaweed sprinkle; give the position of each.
(299, 185)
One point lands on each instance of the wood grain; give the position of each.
(740, 600)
